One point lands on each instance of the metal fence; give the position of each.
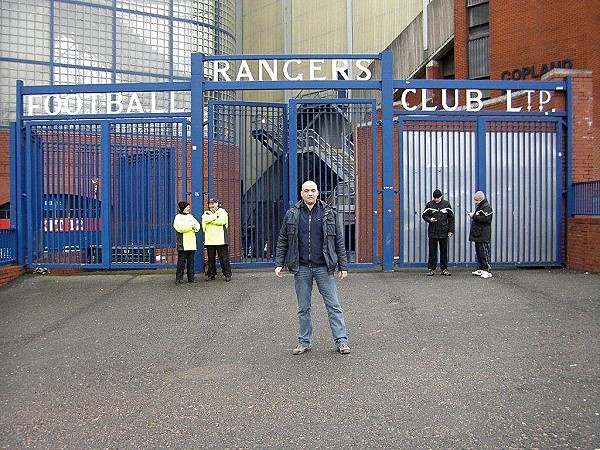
(8, 246)
(586, 198)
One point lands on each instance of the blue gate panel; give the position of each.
(335, 147)
(144, 159)
(435, 154)
(246, 163)
(523, 167)
(65, 221)
(515, 162)
(78, 166)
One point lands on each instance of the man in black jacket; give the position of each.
(481, 234)
(311, 245)
(439, 215)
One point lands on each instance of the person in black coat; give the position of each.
(439, 215)
(481, 233)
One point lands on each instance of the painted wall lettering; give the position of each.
(523, 73)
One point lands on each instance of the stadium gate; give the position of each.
(100, 190)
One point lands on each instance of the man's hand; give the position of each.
(278, 272)
(450, 234)
(343, 274)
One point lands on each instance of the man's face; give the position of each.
(309, 193)
(187, 209)
(437, 200)
(213, 205)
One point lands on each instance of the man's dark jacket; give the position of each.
(444, 216)
(481, 223)
(334, 251)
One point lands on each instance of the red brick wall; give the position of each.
(583, 246)
(9, 273)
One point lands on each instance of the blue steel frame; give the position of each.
(481, 182)
(386, 86)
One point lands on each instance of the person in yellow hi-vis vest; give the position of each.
(186, 227)
(214, 224)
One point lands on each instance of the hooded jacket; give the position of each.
(481, 223)
(184, 225)
(334, 251)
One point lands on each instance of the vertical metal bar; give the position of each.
(105, 192)
(293, 154)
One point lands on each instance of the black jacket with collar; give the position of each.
(444, 216)
(334, 250)
(481, 223)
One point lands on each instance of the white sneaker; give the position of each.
(477, 272)
(485, 274)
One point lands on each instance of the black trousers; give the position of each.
(433, 249)
(185, 258)
(483, 252)
(223, 252)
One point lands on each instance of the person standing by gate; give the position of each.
(311, 244)
(214, 224)
(186, 227)
(439, 215)
(481, 233)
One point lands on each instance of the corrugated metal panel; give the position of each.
(522, 169)
(521, 166)
(436, 155)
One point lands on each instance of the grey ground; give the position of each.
(128, 360)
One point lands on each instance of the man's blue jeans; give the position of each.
(303, 281)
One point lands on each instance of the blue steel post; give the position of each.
(17, 211)
(105, 194)
(387, 155)
(293, 153)
(400, 190)
(480, 160)
(197, 181)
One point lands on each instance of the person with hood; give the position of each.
(439, 215)
(481, 234)
(311, 245)
(214, 224)
(186, 227)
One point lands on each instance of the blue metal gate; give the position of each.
(105, 191)
(247, 151)
(258, 159)
(515, 161)
(334, 143)
(100, 189)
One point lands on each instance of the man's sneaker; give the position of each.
(209, 278)
(344, 349)
(485, 274)
(430, 273)
(300, 349)
(446, 273)
(477, 273)
(228, 278)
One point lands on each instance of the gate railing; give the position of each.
(586, 198)
(8, 246)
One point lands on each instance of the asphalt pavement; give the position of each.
(129, 360)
